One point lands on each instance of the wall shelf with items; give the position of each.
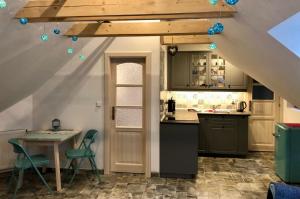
(199, 70)
(203, 70)
(217, 71)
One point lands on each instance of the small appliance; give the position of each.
(56, 124)
(241, 106)
(171, 105)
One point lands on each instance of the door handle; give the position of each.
(275, 135)
(113, 113)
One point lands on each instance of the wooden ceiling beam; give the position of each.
(186, 27)
(185, 39)
(64, 10)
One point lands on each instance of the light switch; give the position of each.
(99, 104)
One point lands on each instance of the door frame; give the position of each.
(108, 107)
(276, 105)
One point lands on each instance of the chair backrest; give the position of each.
(88, 139)
(18, 148)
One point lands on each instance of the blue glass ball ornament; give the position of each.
(218, 27)
(56, 31)
(213, 46)
(81, 57)
(3, 4)
(23, 21)
(44, 37)
(211, 31)
(213, 2)
(232, 2)
(74, 38)
(70, 50)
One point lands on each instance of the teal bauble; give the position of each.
(82, 57)
(211, 31)
(23, 21)
(3, 4)
(213, 2)
(232, 2)
(74, 38)
(213, 46)
(218, 27)
(70, 50)
(44, 37)
(56, 31)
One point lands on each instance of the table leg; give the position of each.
(57, 167)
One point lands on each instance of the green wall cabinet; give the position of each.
(203, 71)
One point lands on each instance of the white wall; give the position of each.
(18, 116)
(290, 114)
(247, 45)
(71, 94)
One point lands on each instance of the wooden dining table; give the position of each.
(52, 139)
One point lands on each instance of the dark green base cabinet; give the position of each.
(178, 150)
(223, 134)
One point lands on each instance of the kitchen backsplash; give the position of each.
(204, 100)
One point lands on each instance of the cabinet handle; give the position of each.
(187, 85)
(275, 135)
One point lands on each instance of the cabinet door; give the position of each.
(222, 138)
(217, 72)
(179, 71)
(235, 78)
(203, 131)
(199, 70)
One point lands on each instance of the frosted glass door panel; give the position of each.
(129, 118)
(130, 73)
(129, 96)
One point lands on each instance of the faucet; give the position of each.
(214, 107)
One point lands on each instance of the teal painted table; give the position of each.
(51, 138)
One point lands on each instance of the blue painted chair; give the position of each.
(83, 152)
(25, 161)
(283, 191)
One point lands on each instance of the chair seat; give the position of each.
(38, 160)
(79, 153)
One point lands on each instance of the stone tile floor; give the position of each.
(218, 178)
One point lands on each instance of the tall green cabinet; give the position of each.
(287, 152)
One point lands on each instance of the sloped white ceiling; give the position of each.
(247, 44)
(26, 63)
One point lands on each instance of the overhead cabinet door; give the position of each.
(179, 71)
(235, 78)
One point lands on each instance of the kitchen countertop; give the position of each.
(182, 117)
(225, 113)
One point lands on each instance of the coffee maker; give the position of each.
(171, 105)
(241, 106)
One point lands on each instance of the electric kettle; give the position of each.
(241, 106)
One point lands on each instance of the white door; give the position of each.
(264, 108)
(128, 118)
